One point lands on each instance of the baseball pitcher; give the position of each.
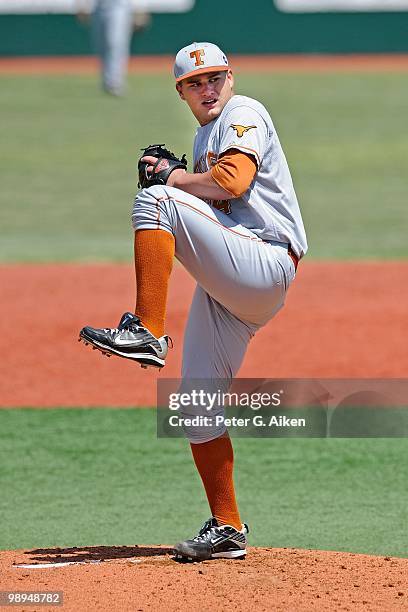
(235, 224)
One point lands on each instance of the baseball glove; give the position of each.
(166, 163)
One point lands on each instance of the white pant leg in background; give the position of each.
(112, 25)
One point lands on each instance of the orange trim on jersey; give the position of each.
(202, 71)
(238, 147)
(234, 172)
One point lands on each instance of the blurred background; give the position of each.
(69, 153)
(49, 27)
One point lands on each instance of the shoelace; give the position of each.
(207, 535)
(207, 525)
(115, 330)
(206, 531)
(133, 327)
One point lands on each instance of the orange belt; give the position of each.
(293, 257)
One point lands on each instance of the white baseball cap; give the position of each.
(198, 58)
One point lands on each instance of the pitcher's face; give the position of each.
(206, 94)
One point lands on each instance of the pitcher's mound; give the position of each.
(140, 578)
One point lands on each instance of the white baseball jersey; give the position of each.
(269, 208)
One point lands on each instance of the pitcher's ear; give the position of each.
(180, 90)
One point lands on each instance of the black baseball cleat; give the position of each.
(130, 340)
(214, 541)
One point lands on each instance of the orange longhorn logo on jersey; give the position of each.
(197, 54)
(241, 129)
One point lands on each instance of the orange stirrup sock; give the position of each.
(154, 252)
(214, 461)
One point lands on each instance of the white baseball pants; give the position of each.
(241, 282)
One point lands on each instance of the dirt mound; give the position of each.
(147, 578)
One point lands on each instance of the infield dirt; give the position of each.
(153, 64)
(131, 578)
(340, 320)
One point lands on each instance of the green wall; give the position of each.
(239, 31)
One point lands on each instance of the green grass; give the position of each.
(86, 477)
(68, 158)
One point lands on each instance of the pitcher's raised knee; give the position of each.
(152, 209)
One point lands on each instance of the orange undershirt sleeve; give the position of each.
(234, 172)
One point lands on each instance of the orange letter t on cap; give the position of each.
(197, 54)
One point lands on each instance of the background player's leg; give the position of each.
(99, 35)
(118, 17)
